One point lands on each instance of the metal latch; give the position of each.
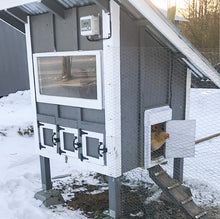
(55, 140)
(104, 150)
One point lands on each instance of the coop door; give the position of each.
(48, 136)
(181, 142)
(93, 148)
(69, 141)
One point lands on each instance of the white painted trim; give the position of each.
(92, 160)
(71, 131)
(112, 82)
(50, 149)
(152, 117)
(75, 163)
(165, 29)
(188, 89)
(31, 82)
(71, 101)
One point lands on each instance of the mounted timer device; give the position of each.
(89, 25)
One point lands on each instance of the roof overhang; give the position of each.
(15, 12)
(5, 4)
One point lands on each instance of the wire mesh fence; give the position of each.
(162, 80)
(156, 105)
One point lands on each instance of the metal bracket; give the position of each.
(60, 128)
(81, 132)
(39, 124)
(40, 146)
(82, 157)
(61, 151)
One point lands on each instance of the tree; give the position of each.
(203, 26)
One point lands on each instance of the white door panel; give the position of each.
(182, 138)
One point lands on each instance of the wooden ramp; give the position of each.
(176, 192)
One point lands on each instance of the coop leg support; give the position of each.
(178, 169)
(114, 197)
(48, 196)
(45, 173)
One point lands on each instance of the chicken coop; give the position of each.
(103, 75)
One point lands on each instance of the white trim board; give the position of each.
(112, 81)
(31, 82)
(167, 30)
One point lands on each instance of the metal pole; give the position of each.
(45, 173)
(114, 197)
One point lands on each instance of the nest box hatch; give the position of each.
(181, 140)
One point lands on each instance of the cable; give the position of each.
(103, 38)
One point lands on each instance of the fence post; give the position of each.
(178, 169)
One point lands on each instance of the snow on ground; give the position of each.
(20, 170)
(19, 165)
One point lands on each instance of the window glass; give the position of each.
(68, 76)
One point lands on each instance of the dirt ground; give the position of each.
(93, 201)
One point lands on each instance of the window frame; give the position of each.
(71, 101)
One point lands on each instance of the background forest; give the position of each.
(203, 27)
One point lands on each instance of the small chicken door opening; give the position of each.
(158, 141)
(155, 126)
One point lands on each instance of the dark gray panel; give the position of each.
(13, 60)
(84, 44)
(67, 112)
(90, 115)
(178, 90)
(92, 145)
(46, 119)
(66, 31)
(47, 109)
(67, 123)
(154, 68)
(93, 127)
(129, 56)
(155, 62)
(68, 141)
(42, 33)
(48, 134)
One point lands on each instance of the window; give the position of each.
(71, 78)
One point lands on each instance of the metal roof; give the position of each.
(34, 8)
(38, 8)
(74, 3)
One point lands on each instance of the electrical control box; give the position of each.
(89, 25)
